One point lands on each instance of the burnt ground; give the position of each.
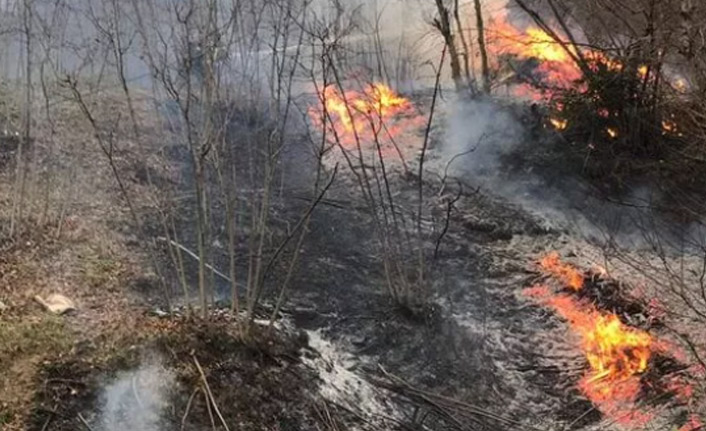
(476, 343)
(477, 340)
(154, 383)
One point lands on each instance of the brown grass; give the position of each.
(74, 244)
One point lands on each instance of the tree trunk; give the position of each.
(464, 44)
(21, 166)
(443, 24)
(485, 69)
(201, 233)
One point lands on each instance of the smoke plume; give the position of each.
(136, 399)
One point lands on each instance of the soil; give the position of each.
(261, 384)
(474, 338)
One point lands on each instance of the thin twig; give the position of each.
(210, 394)
(425, 145)
(85, 423)
(188, 408)
(50, 418)
(447, 221)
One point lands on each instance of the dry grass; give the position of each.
(77, 240)
(25, 342)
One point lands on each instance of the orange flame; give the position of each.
(616, 354)
(569, 275)
(681, 85)
(558, 60)
(558, 123)
(376, 114)
(671, 127)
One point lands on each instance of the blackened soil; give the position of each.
(258, 384)
(475, 341)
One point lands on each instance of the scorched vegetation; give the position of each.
(352, 215)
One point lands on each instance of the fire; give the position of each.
(555, 61)
(385, 100)
(681, 85)
(374, 115)
(558, 59)
(558, 123)
(617, 355)
(542, 46)
(569, 275)
(669, 126)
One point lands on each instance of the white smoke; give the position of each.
(480, 133)
(479, 137)
(136, 399)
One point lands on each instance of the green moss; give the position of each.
(100, 270)
(6, 417)
(48, 335)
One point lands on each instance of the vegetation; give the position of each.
(173, 166)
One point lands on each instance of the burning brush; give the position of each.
(604, 292)
(582, 87)
(374, 117)
(626, 364)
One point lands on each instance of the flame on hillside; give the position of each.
(558, 59)
(551, 264)
(617, 355)
(558, 67)
(377, 115)
(558, 123)
(556, 62)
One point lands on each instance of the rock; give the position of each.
(3, 307)
(159, 313)
(56, 303)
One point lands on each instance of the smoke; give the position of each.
(136, 398)
(479, 132)
(479, 137)
(481, 141)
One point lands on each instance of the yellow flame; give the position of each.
(558, 123)
(680, 85)
(542, 46)
(669, 126)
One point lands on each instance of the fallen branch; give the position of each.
(84, 422)
(195, 256)
(210, 394)
(448, 408)
(188, 408)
